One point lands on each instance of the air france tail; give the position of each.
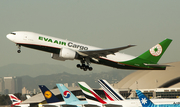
(48, 95)
(109, 91)
(68, 96)
(14, 99)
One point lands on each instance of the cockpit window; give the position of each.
(13, 33)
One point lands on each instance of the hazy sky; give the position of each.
(101, 23)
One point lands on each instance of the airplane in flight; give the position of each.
(62, 50)
(148, 103)
(16, 101)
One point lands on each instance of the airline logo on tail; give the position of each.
(144, 101)
(48, 94)
(66, 94)
(156, 50)
(14, 99)
(109, 91)
(90, 94)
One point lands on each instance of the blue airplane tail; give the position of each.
(67, 95)
(48, 95)
(145, 102)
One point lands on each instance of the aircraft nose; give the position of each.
(11, 36)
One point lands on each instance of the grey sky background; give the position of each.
(101, 23)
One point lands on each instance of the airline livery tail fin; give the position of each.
(145, 102)
(109, 91)
(48, 95)
(155, 53)
(91, 95)
(67, 95)
(14, 99)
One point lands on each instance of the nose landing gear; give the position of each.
(19, 48)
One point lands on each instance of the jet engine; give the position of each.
(65, 54)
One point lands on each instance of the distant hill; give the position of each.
(49, 75)
(36, 70)
(91, 79)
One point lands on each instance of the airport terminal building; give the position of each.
(149, 81)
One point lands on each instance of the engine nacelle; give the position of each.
(65, 54)
(56, 57)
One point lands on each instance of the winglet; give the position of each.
(48, 95)
(145, 102)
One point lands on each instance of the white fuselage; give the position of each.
(30, 38)
(136, 102)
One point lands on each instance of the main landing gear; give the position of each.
(84, 66)
(19, 48)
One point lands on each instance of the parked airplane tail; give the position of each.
(145, 102)
(67, 95)
(14, 99)
(156, 52)
(28, 96)
(109, 91)
(48, 95)
(91, 95)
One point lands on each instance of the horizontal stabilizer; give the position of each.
(156, 65)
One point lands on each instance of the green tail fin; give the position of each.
(155, 53)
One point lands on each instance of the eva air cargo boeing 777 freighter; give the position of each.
(68, 50)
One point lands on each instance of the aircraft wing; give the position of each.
(102, 52)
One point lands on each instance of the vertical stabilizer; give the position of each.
(145, 102)
(91, 95)
(110, 92)
(67, 95)
(156, 52)
(14, 99)
(48, 95)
